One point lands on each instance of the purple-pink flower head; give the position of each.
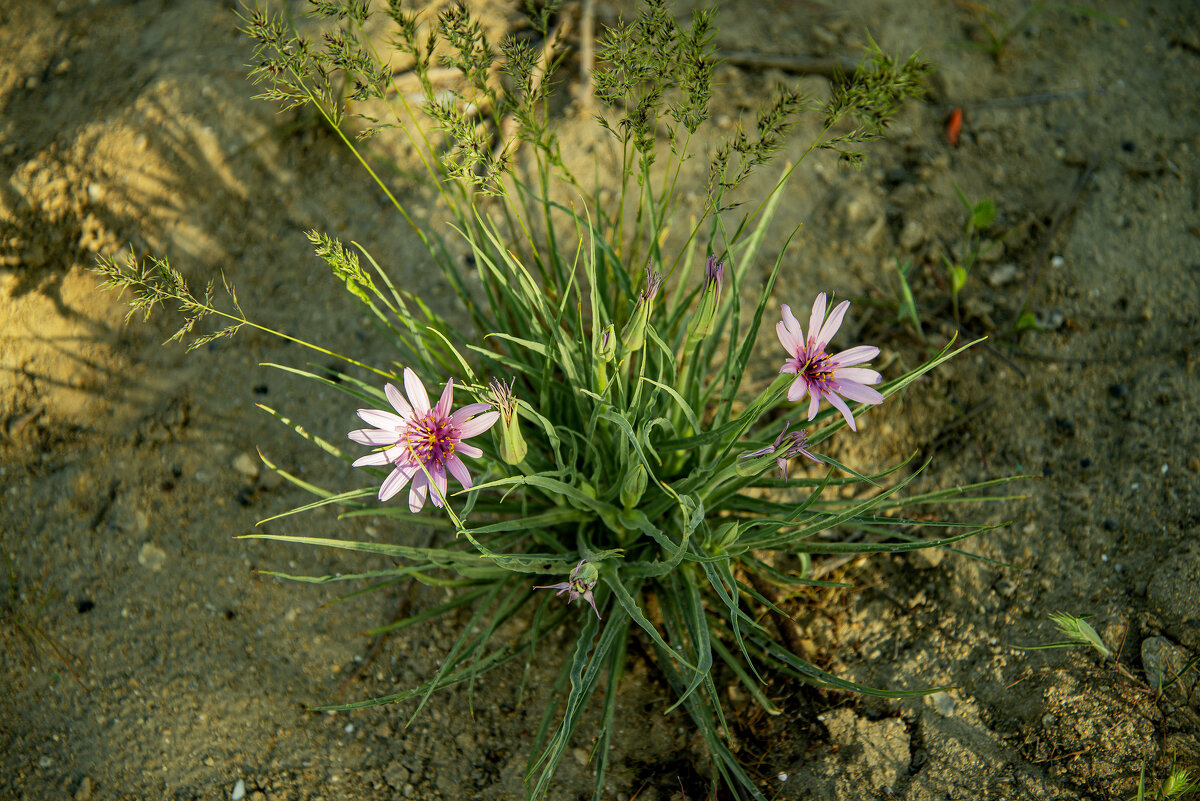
(819, 374)
(792, 445)
(713, 270)
(654, 280)
(423, 443)
(583, 580)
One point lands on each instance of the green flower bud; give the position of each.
(608, 344)
(633, 336)
(725, 535)
(512, 444)
(710, 300)
(633, 487)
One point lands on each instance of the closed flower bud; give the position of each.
(723, 537)
(608, 344)
(512, 444)
(710, 301)
(633, 487)
(633, 337)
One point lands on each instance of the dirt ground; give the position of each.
(141, 655)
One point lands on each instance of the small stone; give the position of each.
(45, 762)
(913, 235)
(95, 192)
(943, 703)
(396, 775)
(926, 558)
(581, 756)
(84, 791)
(151, 556)
(239, 791)
(1163, 662)
(247, 465)
(1003, 274)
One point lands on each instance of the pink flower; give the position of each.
(818, 373)
(580, 585)
(423, 443)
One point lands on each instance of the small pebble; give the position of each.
(782, 776)
(151, 556)
(84, 791)
(247, 465)
(239, 791)
(45, 762)
(943, 703)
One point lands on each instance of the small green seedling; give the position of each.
(906, 305)
(980, 215)
(1078, 632)
(1177, 784)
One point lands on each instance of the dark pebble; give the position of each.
(167, 486)
(261, 389)
(177, 472)
(1118, 390)
(1048, 470)
(243, 497)
(85, 606)
(1085, 463)
(1065, 426)
(1128, 147)
(230, 614)
(1109, 524)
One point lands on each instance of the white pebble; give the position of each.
(239, 791)
(782, 776)
(349, 728)
(1103, 557)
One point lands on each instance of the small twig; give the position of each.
(801, 65)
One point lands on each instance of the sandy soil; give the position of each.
(127, 468)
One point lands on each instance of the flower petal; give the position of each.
(790, 366)
(477, 425)
(396, 398)
(395, 482)
(797, 389)
(438, 474)
(856, 355)
(467, 412)
(814, 403)
(857, 392)
(418, 493)
(467, 449)
(443, 405)
(381, 419)
(376, 459)
(816, 318)
(832, 324)
(417, 395)
(859, 375)
(791, 336)
(841, 406)
(459, 470)
(374, 436)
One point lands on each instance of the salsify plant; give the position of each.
(610, 445)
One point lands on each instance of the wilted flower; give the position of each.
(423, 443)
(512, 443)
(818, 373)
(786, 447)
(583, 579)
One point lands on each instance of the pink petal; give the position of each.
(417, 395)
(477, 425)
(373, 436)
(396, 398)
(376, 459)
(856, 355)
(468, 411)
(395, 482)
(791, 336)
(832, 324)
(791, 366)
(858, 392)
(381, 419)
(815, 403)
(439, 485)
(443, 404)
(841, 406)
(817, 317)
(418, 493)
(459, 471)
(858, 375)
(468, 450)
(797, 389)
